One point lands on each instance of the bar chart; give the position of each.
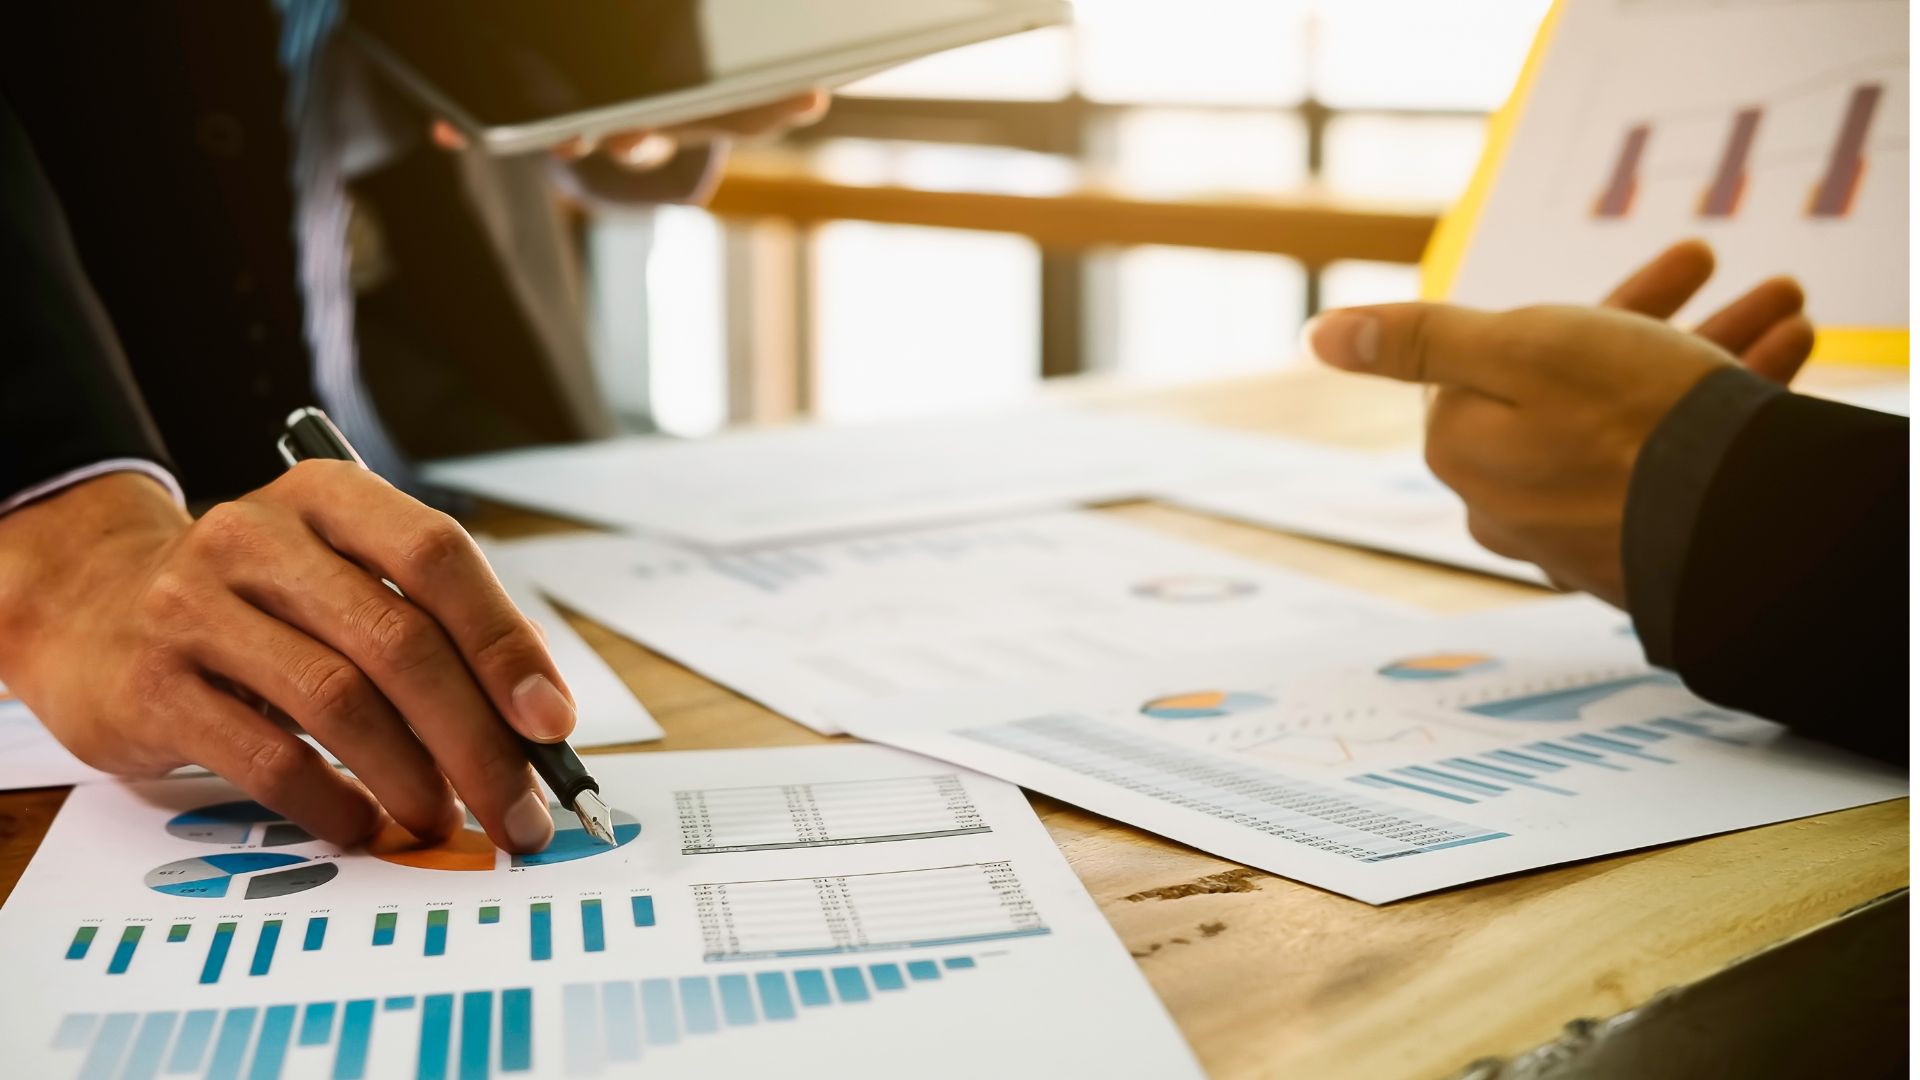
(1559, 767)
(771, 818)
(942, 906)
(586, 925)
(474, 1034)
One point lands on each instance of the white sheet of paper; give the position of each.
(1389, 502)
(1818, 188)
(847, 911)
(810, 628)
(763, 487)
(1888, 397)
(609, 713)
(1399, 759)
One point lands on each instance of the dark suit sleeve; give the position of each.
(67, 399)
(1765, 549)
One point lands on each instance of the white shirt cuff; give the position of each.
(87, 472)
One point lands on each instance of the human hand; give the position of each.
(641, 150)
(1539, 414)
(146, 641)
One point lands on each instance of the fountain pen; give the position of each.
(312, 434)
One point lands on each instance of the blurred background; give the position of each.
(1155, 197)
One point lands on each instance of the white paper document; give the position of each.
(1398, 759)
(1775, 131)
(1386, 501)
(811, 628)
(845, 911)
(761, 487)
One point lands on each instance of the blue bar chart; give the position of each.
(474, 1034)
(1558, 767)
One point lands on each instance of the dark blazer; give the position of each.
(1766, 558)
(164, 318)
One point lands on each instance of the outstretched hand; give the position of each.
(1539, 414)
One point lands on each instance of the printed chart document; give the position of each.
(846, 911)
(810, 628)
(1400, 759)
(762, 487)
(1775, 131)
(1386, 501)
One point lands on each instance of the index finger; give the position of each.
(441, 570)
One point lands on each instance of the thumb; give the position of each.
(1424, 343)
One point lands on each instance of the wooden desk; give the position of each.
(1775, 948)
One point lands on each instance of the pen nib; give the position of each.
(594, 816)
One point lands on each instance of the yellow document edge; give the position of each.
(1440, 264)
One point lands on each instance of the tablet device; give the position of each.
(520, 75)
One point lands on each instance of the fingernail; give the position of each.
(649, 151)
(1343, 339)
(529, 825)
(544, 712)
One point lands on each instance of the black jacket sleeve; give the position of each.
(66, 396)
(1765, 550)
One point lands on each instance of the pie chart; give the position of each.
(237, 823)
(263, 874)
(469, 849)
(1204, 704)
(1432, 666)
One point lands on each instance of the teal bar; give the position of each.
(437, 932)
(74, 1030)
(263, 951)
(580, 1009)
(656, 997)
(489, 915)
(850, 985)
(149, 1046)
(316, 1027)
(436, 1032)
(398, 1003)
(542, 927)
(812, 986)
(178, 932)
(217, 954)
(643, 911)
(356, 1030)
(959, 962)
(82, 941)
(384, 924)
(316, 934)
(775, 1001)
(476, 1033)
(886, 977)
(271, 1055)
(123, 952)
(231, 1044)
(696, 1000)
(622, 1022)
(516, 1030)
(190, 1049)
(923, 970)
(593, 927)
(736, 1000)
(108, 1046)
